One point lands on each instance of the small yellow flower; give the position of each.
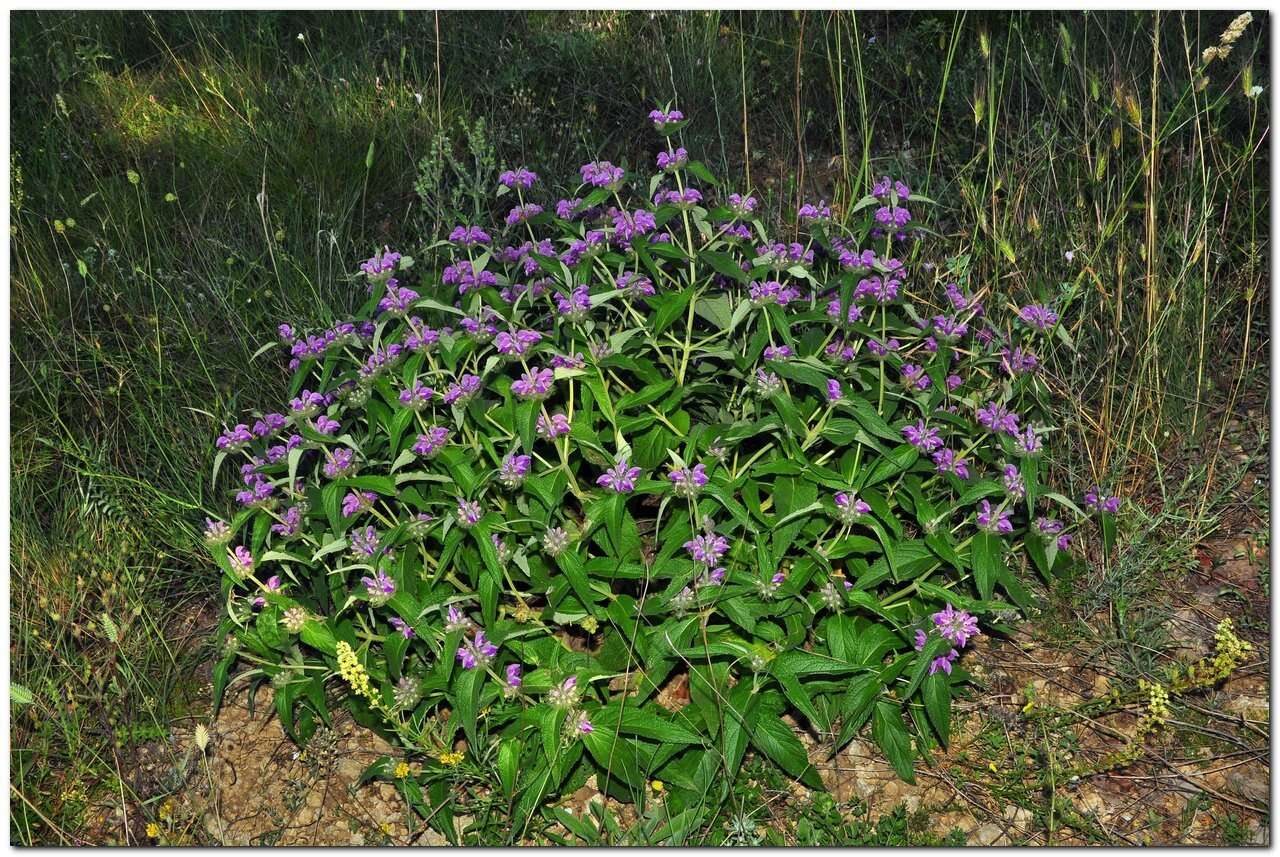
(590, 624)
(166, 810)
(352, 671)
(450, 760)
(402, 770)
(153, 830)
(658, 786)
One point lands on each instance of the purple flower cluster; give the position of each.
(476, 651)
(662, 119)
(1096, 501)
(687, 482)
(620, 479)
(602, 174)
(517, 178)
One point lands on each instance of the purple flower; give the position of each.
(833, 390)
(687, 482)
(620, 479)
(518, 178)
(456, 620)
(685, 199)
(469, 236)
(1012, 479)
(636, 285)
(513, 470)
(953, 381)
(522, 213)
(513, 676)
(357, 501)
(558, 425)
(269, 425)
(517, 343)
(668, 161)
(379, 588)
(767, 383)
(601, 174)
(289, 524)
(661, 119)
(948, 461)
(772, 292)
(565, 208)
(305, 404)
(1028, 443)
(994, 520)
(463, 390)
(534, 384)
(402, 626)
(1049, 526)
(948, 329)
(811, 213)
(398, 300)
(996, 417)
(943, 663)
(325, 425)
(418, 396)
(241, 561)
(216, 532)
(914, 376)
(849, 508)
(463, 275)
(339, 462)
(921, 639)
(1038, 316)
(882, 189)
(583, 724)
(778, 352)
(742, 206)
(575, 305)
(629, 225)
(880, 289)
(234, 439)
(432, 442)
(707, 548)
(1096, 501)
(476, 652)
(922, 437)
(363, 542)
(957, 626)
(469, 513)
(1017, 362)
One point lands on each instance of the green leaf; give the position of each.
(616, 755)
(776, 740)
(646, 723)
(723, 264)
(509, 765)
(890, 733)
(988, 557)
(465, 699)
(19, 695)
(937, 704)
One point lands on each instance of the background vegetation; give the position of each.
(182, 183)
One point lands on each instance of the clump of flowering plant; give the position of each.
(623, 437)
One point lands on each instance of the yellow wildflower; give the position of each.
(153, 830)
(402, 770)
(450, 760)
(657, 786)
(352, 671)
